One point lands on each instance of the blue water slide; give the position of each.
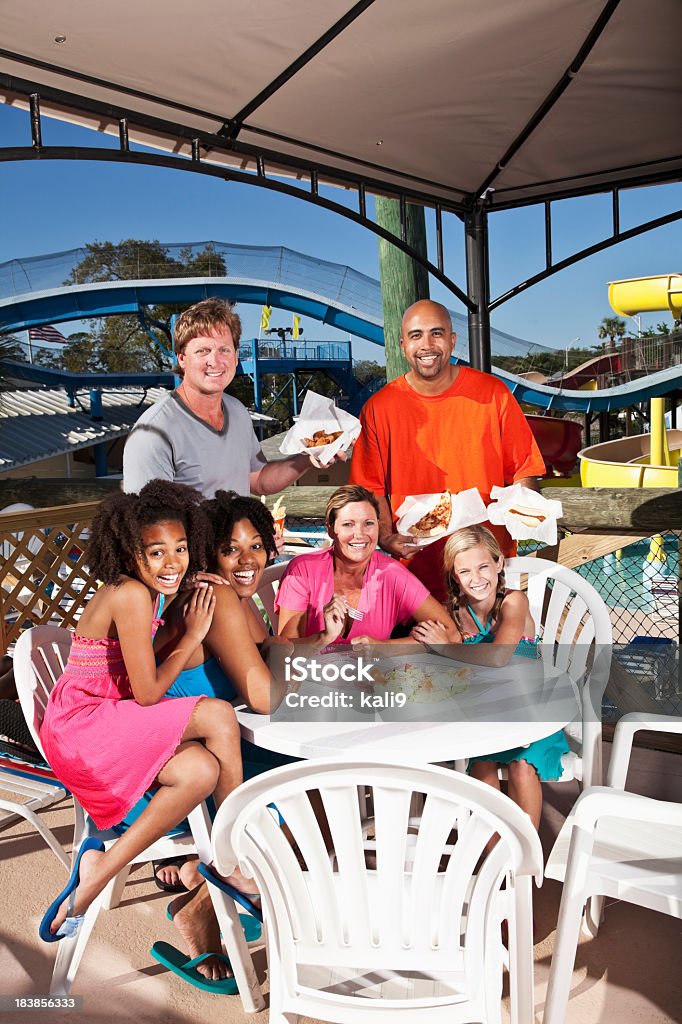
(111, 298)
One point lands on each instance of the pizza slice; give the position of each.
(436, 521)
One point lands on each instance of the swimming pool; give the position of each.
(622, 583)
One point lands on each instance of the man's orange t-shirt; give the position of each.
(472, 435)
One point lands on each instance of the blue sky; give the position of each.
(51, 206)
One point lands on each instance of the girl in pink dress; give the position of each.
(108, 732)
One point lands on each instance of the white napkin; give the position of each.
(320, 413)
(467, 509)
(507, 498)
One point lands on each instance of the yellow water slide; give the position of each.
(647, 460)
(647, 295)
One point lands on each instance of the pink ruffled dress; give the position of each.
(103, 745)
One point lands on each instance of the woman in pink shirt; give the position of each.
(319, 589)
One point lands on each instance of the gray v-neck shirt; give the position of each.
(169, 442)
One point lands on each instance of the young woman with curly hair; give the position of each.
(228, 664)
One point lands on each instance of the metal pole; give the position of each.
(97, 414)
(478, 286)
(177, 379)
(295, 393)
(257, 391)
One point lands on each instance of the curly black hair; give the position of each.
(116, 533)
(227, 508)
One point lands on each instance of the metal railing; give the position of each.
(301, 351)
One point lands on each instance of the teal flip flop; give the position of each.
(252, 927)
(186, 969)
(244, 899)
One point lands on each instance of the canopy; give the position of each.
(442, 100)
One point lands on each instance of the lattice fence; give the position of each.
(641, 588)
(44, 578)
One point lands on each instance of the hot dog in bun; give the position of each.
(527, 515)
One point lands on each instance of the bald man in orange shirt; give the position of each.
(439, 426)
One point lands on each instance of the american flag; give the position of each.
(46, 333)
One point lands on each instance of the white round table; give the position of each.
(502, 708)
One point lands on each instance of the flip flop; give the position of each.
(186, 969)
(244, 899)
(168, 886)
(70, 926)
(252, 928)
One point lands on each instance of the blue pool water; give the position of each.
(621, 582)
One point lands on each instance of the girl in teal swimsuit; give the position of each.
(483, 611)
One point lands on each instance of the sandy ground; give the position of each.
(629, 973)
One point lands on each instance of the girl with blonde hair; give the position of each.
(484, 611)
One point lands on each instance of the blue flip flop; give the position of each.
(186, 969)
(71, 925)
(242, 898)
(252, 928)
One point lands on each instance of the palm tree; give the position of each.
(612, 327)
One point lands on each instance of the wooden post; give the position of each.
(402, 280)
(46, 491)
(645, 510)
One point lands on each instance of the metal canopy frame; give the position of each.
(272, 165)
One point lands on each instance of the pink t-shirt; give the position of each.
(390, 594)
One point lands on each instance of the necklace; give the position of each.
(217, 422)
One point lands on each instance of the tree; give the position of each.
(365, 370)
(135, 259)
(78, 356)
(241, 387)
(111, 345)
(10, 348)
(121, 344)
(207, 262)
(612, 327)
(548, 363)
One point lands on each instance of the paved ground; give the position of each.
(629, 975)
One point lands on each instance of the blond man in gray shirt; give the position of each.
(198, 435)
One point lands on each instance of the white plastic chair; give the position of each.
(574, 626)
(41, 789)
(614, 844)
(35, 789)
(7, 549)
(267, 590)
(12, 582)
(39, 659)
(387, 937)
